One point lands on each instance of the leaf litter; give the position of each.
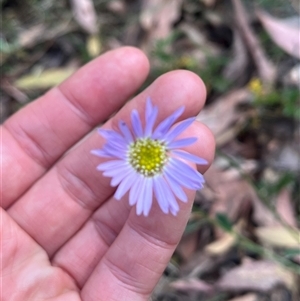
(241, 242)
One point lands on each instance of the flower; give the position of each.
(148, 161)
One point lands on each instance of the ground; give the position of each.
(242, 240)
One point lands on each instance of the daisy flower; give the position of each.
(148, 161)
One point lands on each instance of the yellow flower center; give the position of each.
(147, 156)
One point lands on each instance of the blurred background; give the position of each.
(242, 239)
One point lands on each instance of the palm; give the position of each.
(63, 235)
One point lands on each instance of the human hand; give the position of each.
(63, 236)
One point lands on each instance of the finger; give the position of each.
(51, 216)
(135, 261)
(25, 267)
(34, 138)
(80, 255)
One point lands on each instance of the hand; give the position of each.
(63, 235)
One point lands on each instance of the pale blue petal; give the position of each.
(171, 173)
(111, 146)
(178, 129)
(101, 153)
(125, 131)
(148, 196)
(116, 180)
(188, 183)
(110, 165)
(190, 157)
(134, 191)
(136, 124)
(173, 211)
(149, 108)
(169, 195)
(181, 178)
(187, 171)
(116, 145)
(141, 198)
(165, 125)
(176, 188)
(114, 152)
(112, 135)
(181, 142)
(168, 187)
(164, 195)
(125, 185)
(122, 168)
(159, 192)
(144, 201)
(150, 122)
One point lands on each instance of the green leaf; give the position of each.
(291, 253)
(223, 221)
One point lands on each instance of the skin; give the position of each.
(63, 236)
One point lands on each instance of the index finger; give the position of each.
(38, 135)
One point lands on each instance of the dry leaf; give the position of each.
(236, 69)
(278, 236)
(45, 79)
(292, 77)
(85, 14)
(194, 34)
(247, 297)
(283, 32)
(30, 36)
(192, 284)
(158, 16)
(261, 213)
(235, 196)
(266, 69)
(187, 245)
(255, 276)
(214, 116)
(199, 264)
(209, 3)
(286, 157)
(93, 45)
(232, 195)
(198, 38)
(295, 4)
(221, 245)
(39, 33)
(117, 6)
(13, 91)
(284, 207)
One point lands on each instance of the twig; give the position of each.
(265, 68)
